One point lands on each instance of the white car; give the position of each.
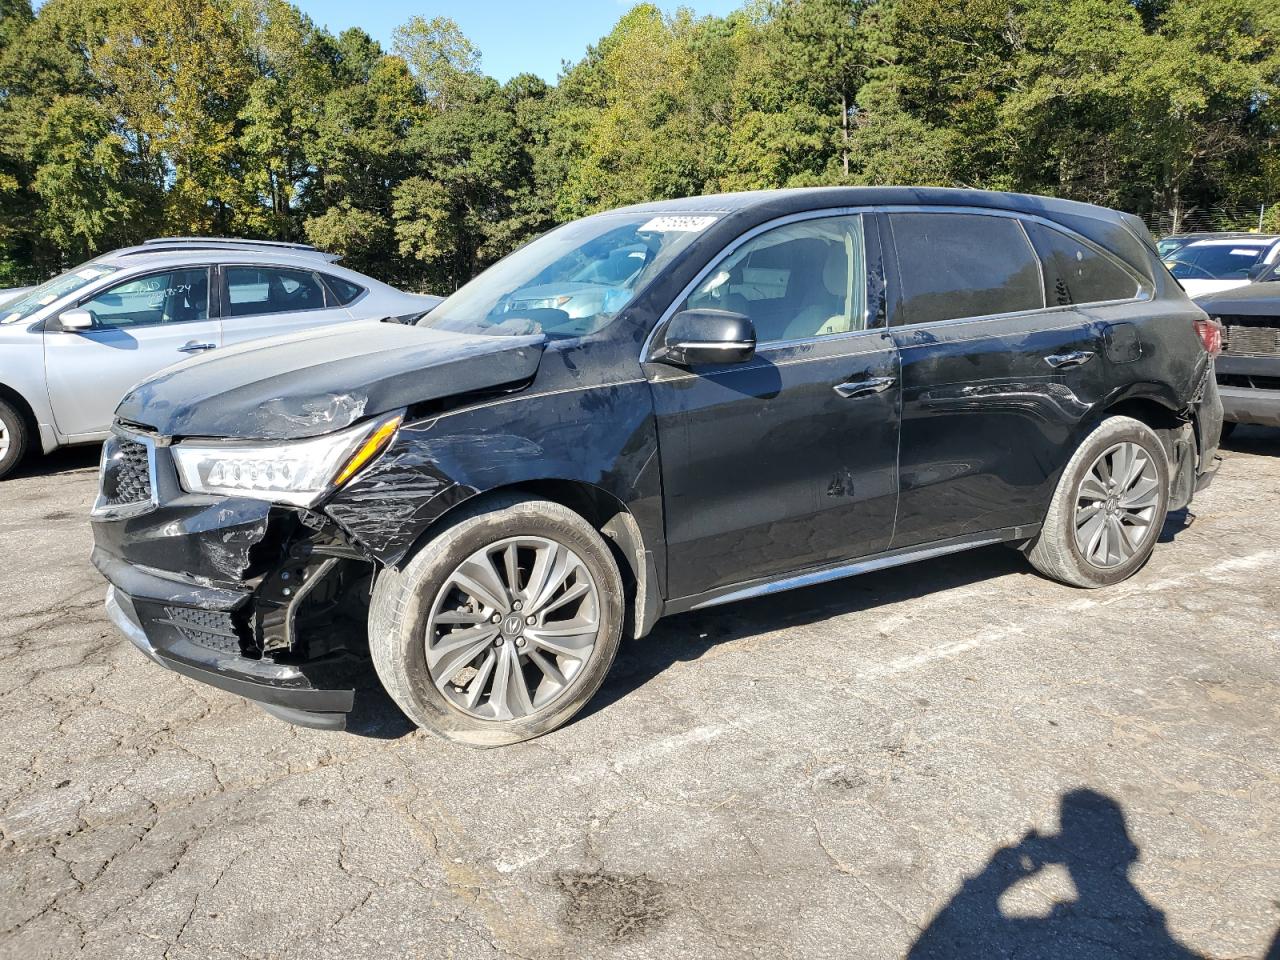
(71, 347)
(1221, 263)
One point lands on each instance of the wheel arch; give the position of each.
(611, 518)
(1174, 427)
(25, 410)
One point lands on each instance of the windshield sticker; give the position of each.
(12, 317)
(673, 224)
(47, 299)
(89, 274)
(1244, 252)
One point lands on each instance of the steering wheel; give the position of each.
(1193, 266)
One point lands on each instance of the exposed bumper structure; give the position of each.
(256, 609)
(284, 690)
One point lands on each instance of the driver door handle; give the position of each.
(864, 388)
(1073, 359)
(194, 347)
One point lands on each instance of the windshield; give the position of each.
(571, 281)
(1215, 261)
(28, 303)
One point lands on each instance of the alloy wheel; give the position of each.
(4, 440)
(512, 628)
(1116, 504)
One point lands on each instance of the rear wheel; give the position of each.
(503, 627)
(15, 438)
(1108, 509)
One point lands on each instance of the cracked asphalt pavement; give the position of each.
(954, 759)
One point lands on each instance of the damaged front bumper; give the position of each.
(282, 690)
(263, 604)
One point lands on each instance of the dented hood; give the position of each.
(304, 385)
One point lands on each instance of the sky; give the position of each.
(513, 36)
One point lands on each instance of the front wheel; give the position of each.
(1108, 509)
(15, 438)
(501, 628)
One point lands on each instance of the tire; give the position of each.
(422, 606)
(1123, 547)
(15, 438)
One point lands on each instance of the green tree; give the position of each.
(440, 56)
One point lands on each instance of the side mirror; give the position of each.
(75, 320)
(707, 336)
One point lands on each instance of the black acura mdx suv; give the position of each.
(649, 411)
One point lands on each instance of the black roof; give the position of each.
(796, 199)
(1122, 233)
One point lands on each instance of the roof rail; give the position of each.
(226, 243)
(229, 241)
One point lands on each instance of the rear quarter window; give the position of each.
(344, 291)
(1074, 272)
(956, 265)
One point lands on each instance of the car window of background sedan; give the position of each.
(794, 282)
(176, 296)
(51, 290)
(253, 291)
(572, 281)
(1216, 260)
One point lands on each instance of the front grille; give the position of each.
(131, 478)
(207, 628)
(1259, 337)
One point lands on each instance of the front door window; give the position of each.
(176, 296)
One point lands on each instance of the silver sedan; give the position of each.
(71, 347)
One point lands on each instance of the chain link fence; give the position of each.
(1256, 217)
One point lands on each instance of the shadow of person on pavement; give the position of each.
(1108, 918)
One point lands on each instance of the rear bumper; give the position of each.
(1242, 402)
(1208, 430)
(1246, 405)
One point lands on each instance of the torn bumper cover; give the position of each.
(251, 573)
(1209, 412)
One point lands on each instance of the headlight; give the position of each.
(298, 472)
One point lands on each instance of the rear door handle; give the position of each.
(194, 347)
(864, 388)
(1060, 361)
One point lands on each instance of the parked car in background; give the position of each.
(768, 390)
(1221, 263)
(1168, 246)
(1249, 367)
(71, 347)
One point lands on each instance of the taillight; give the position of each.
(1210, 332)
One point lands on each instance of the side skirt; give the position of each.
(824, 574)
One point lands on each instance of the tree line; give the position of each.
(125, 119)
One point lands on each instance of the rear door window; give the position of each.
(253, 291)
(1075, 272)
(956, 265)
